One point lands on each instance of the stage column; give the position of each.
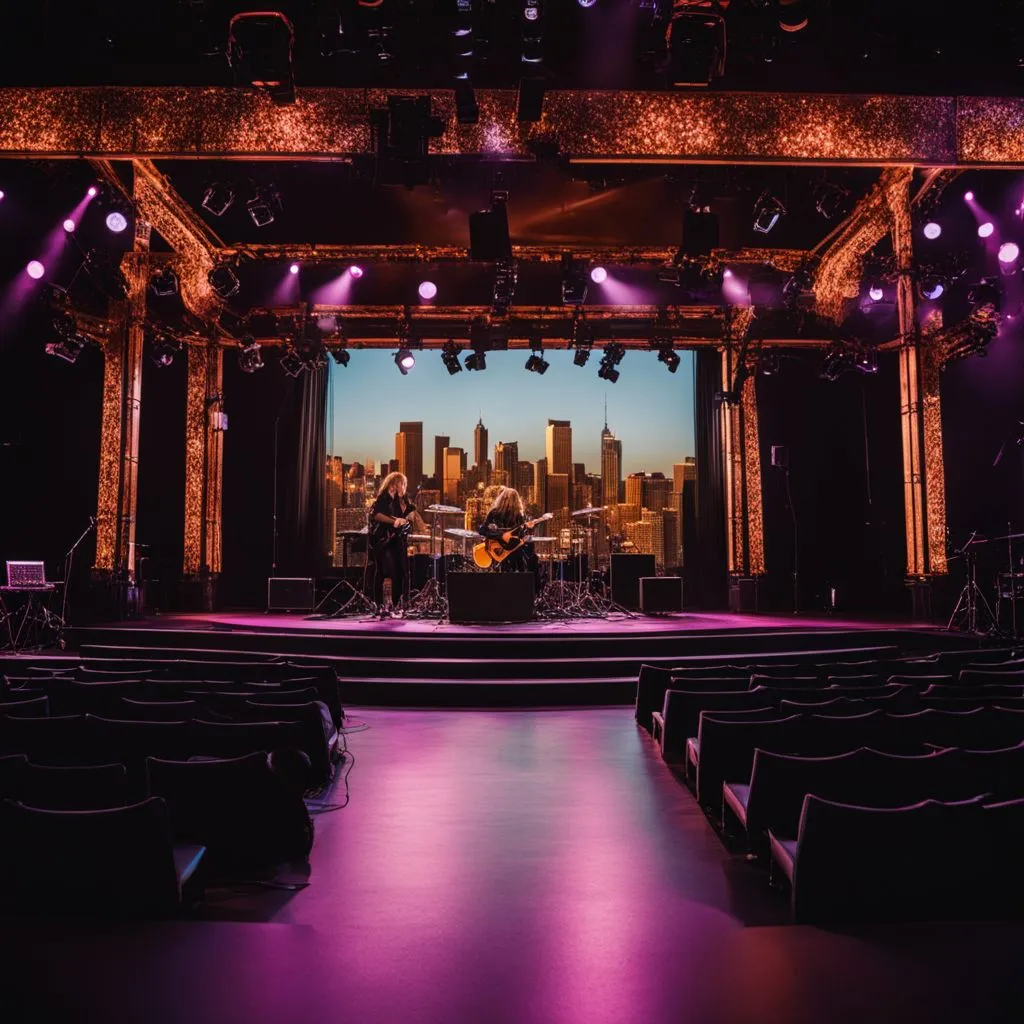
(741, 459)
(924, 486)
(204, 451)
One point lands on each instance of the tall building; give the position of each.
(524, 476)
(558, 447)
(476, 512)
(540, 484)
(409, 452)
(682, 472)
(558, 501)
(611, 464)
(480, 445)
(657, 539)
(454, 465)
(441, 441)
(635, 489)
(657, 492)
(673, 554)
(506, 462)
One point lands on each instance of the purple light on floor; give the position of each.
(69, 225)
(969, 196)
(293, 269)
(355, 270)
(92, 191)
(598, 275)
(1009, 252)
(116, 222)
(932, 230)
(35, 270)
(876, 293)
(427, 290)
(985, 230)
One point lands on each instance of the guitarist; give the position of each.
(507, 515)
(389, 524)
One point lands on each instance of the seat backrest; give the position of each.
(999, 771)
(992, 675)
(784, 680)
(710, 684)
(865, 680)
(117, 862)
(983, 691)
(79, 788)
(11, 767)
(919, 682)
(835, 706)
(33, 707)
(53, 740)
(682, 708)
(823, 735)
(154, 710)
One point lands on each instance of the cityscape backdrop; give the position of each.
(457, 437)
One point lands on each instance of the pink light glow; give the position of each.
(91, 192)
(727, 272)
(69, 225)
(932, 230)
(1008, 252)
(985, 230)
(355, 270)
(35, 270)
(1, 193)
(598, 275)
(427, 290)
(876, 293)
(969, 196)
(293, 269)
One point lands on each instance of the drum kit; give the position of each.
(567, 587)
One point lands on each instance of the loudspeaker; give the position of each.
(490, 596)
(780, 456)
(290, 594)
(625, 578)
(659, 594)
(743, 594)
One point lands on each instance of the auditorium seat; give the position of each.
(154, 710)
(78, 788)
(693, 742)
(32, 707)
(52, 740)
(682, 709)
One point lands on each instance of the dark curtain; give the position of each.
(704, 546)
(302, 467)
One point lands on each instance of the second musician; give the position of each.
(505, 515)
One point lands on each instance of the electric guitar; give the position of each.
(494, 550)
(381, 534)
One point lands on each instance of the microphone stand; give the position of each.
(68, 559)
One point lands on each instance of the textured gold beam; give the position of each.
(204, 448)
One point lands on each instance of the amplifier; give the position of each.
(660, 594)
(290, 594)
(626, 572)
(490, 596)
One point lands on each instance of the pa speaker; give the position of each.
(488, 235)
(660, 594)
(625, 578)
(289, 594)
(490, 596)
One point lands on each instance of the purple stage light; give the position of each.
(985, 230)
(727, 272)
(876, 293)
(932, 230)
(35, 270)
(1009, 252)
(934, 290)
(427, 289)
(1, 193)
(293, 269)
(69, 225)
(969, 196)
(117, 222)
(355, 270)
(91, 191)
(598, 275)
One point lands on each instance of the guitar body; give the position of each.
(493, 551)
(382, 534)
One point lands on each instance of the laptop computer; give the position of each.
(27, 576)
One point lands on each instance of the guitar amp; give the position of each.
(290, 594)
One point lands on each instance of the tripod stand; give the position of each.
(972, 613)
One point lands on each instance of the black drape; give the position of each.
(704, 555)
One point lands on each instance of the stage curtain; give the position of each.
(704, 546)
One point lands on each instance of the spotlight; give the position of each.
(224, 280)
(613, 355)
(404, 360)
(339, 354)
(985, 297)
(969, 196)
(767, 211)
(293, 269)
(875, 293)
(261, 207)
(69, 225)
(581, 357)
(92, 191)
(985, 230)
(116, 221)
(260, 53)
(64, 325)
(327, 323)
(793, 15)
(696, 44)
(2, 193)
(292, 363)
(450, 358)
(537, 363)
(768, 363)
(164, 282)
(867, 360)
(532, 27)
(932, 230)
(838, 359)
(1009, 252)
(669, 357)
(249, 357)
(355, 271)
(831, 200)
(586, 4)
(476, 360)
(68, 349)
(217, 199)
(931, 287)
(598, 275)
(163, 348)
(574, 281)
(35, 270)
(427, 290)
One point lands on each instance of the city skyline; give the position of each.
(650, 411)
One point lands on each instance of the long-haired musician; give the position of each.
(505, 515)
(389, 524)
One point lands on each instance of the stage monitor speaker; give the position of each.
(743, 594)
(490, 596)
(626, 573)
(660, 594)
(780, 456)
(290, 594)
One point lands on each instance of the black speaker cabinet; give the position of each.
(626, 573)
(743, 594)
(490, 596)
(660, 594)
(290, 594)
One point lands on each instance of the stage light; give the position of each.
(427, 290)
(261, 207)
(696, 45)
(794, 15)
(867, 360)
(767, 211)
(831, 200)
(249, 357)
(586, 4)
(68, 349)
(574, 281)
(92, 191)
(768, 363)
(224, 280)
(259, 52)
(669, 357)
(613, 355)
(985, 297)
(293, 269)
(969, 196)
(531, 12)
(116, 221)
(598, 275)
(69, 225)
(476, 360)
(163, 348)
(875, 293)
(2, 193)
(1009, 252)
(106, 274)
(218, 198)
(450, 358)
(292, 363)
(931, 287)
(404, 360)
(537, 363)
(932, 230)
(837, 360)
(985, 230)
(164, 282)
(64, 325)
(339, 354)
(355, 271)
(581, 357)
(35, 270)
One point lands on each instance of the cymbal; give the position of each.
(543, 540)
(418, 536)
(463, 534)
(592, 511)
(354, 533)
(446, 510)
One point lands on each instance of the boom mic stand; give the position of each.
(68, 559)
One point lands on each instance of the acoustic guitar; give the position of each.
(494, 550)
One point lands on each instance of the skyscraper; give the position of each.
(611, 464)
(480, 445)
(635, 489)
(409, 452)
(540, 483)
(558, 501)
(454, 464)
(506, 462)
(673, 556)
(441, 442)
(657, 492)
(558, 448)
(682, 472)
